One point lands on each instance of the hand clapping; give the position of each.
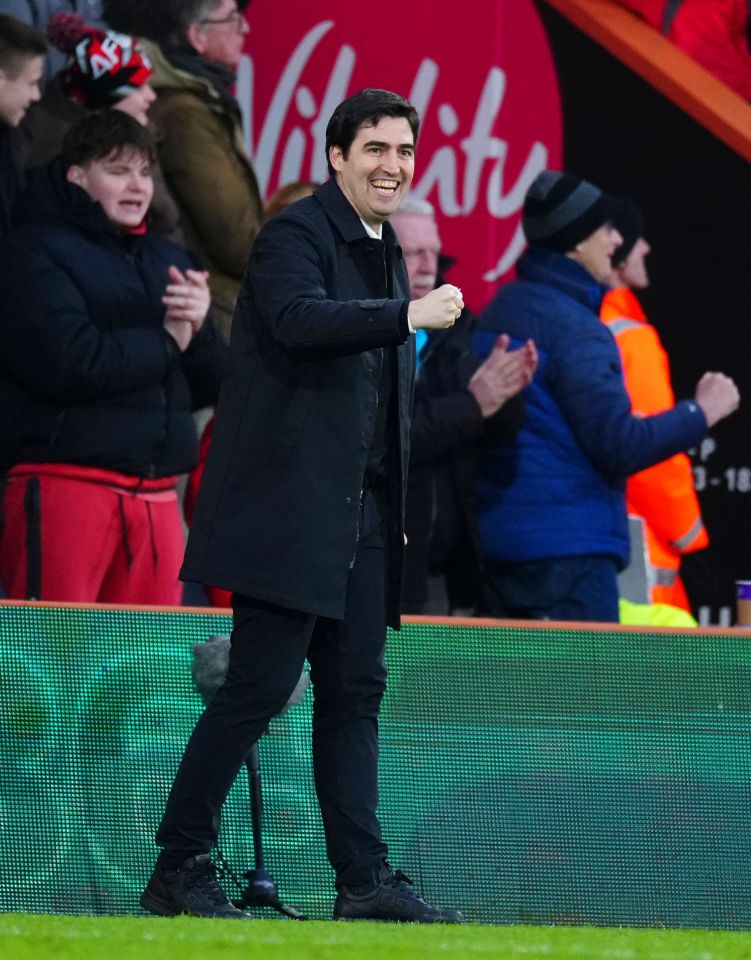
(503, 374)
(187, 300)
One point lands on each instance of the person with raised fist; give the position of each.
(551, 504)
(301, 512)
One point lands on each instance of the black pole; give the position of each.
(253, 766)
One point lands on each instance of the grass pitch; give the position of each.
(42, 937)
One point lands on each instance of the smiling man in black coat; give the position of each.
(301, 512)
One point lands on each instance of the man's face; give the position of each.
(219, 36)
(378, 169)
(121, 183)
(595, 252)
(19, 88)
(418, 235)
(633, 271)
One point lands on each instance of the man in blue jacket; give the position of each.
(301, 512)
(551, 504)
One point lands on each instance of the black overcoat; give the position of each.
(277, 514)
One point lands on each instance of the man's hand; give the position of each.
(438, 309)
(502, 375)
(187, 299)
(718, 397)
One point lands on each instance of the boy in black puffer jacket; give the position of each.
(111, 352)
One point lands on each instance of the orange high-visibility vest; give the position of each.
(663, 495)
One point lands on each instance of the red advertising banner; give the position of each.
(481, 77)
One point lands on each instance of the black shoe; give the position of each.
(191, 888)
(392, 899)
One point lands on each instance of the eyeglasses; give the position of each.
(236, 18)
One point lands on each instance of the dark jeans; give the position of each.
(566, 588)
(348, 673)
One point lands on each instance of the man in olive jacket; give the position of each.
(301, 512)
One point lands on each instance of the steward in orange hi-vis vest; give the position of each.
(663, 495)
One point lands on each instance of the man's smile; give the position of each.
(386, 188)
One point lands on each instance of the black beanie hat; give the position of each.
(629, 222)
(561, 210)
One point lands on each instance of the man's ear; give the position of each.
(336, 157)
(76, 174)
(195, 35)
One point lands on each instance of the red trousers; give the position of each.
(67, 539)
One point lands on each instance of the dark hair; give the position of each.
(165, 22)
(104, 132)
(366, 108)
(18, 42)
(628, 220)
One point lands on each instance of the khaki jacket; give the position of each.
(203, 159)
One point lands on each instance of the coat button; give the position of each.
(348, 499)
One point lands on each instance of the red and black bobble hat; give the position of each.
(105, 66)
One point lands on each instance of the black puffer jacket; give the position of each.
(88, 374)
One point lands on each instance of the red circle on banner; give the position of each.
(484, 84)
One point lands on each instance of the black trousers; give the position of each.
(268, 650)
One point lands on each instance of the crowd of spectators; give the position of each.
(120, 323)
